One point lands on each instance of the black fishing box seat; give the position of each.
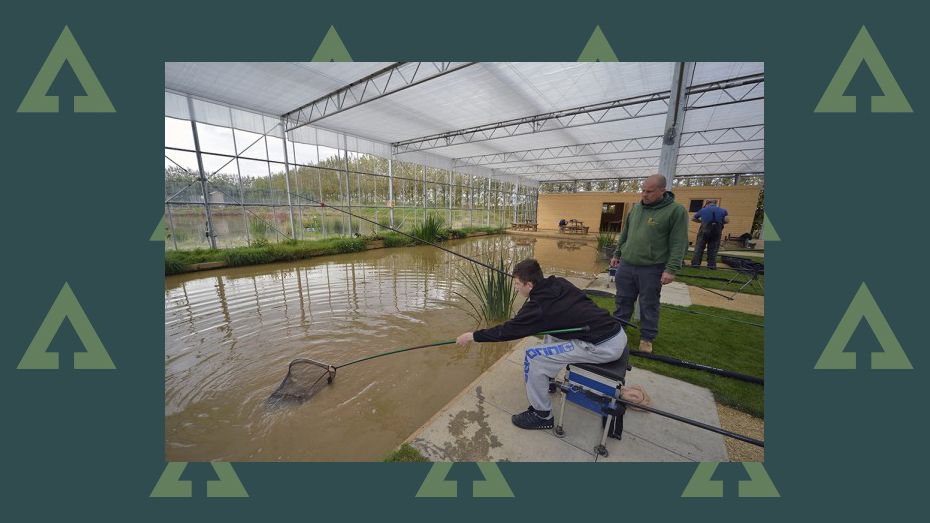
(615, 370)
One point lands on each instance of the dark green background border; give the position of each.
(843, 191)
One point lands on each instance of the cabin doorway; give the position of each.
(611, 216)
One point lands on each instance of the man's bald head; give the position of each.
(657, 180)
(654, 189)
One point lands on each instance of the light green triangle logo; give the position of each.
(227, 485)
(66, 306)
(159, 234)
(863, 305)
(768, 230)
(331, 49)
(66, 49)
(701, 485)
(863, 49)
(598, 49)
(492, 486)
(759, 484)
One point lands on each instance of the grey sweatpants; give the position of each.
(644, 282)
(543, 362)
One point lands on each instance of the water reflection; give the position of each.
(230, 334)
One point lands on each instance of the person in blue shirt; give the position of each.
(712, 219)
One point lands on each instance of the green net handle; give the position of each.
(449, 342)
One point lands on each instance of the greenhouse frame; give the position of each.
(268, 151)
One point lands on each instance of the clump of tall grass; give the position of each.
(432, 229)
(493, 292)
(173, 265)
(606, 239)
(258, 227)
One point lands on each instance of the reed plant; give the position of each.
(492, 291)
(432, 229)
(606, 239)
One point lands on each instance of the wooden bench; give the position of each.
(574, 227)
(526, 226)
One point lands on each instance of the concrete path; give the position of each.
(476, 426)
(675, 293)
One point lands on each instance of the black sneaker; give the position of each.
(530, 420)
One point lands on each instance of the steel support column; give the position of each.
(675, 120)
(203, 176)
(287, 181)
(319, 174)
(391, 187)
(245, 216)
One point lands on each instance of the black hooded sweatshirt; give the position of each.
(554, 303)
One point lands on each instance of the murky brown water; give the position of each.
(230, 334)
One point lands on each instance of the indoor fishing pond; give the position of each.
(231, 333)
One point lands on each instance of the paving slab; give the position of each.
(476, 426)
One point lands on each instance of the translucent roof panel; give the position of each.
(706, 72)
(486, 93)
(718, 125)
(273, 88)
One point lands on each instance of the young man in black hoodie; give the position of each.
(553, 303)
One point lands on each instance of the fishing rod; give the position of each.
(303, 374)
(713, 292)
(684, 363)
(699, 366)
(449, 342)
(666, 306)
(566, 388)
(705, 426)
(604, 294)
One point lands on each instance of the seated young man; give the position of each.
(553, 303)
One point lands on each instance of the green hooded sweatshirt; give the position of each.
(655, 234)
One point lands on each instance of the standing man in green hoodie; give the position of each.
(650, 251)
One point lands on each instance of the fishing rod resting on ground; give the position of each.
(698, 366)
(566, 388)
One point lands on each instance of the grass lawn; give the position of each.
(723, 271)
(176, 262)
(711, 341)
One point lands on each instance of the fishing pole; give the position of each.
(566, 388)
(666, 306)
(699, 366)
(303, 374)
(449, 342)
(705, 426)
